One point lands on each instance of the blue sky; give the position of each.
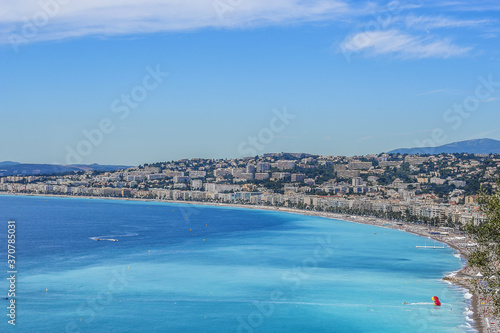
(354, 77)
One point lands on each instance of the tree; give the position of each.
(486, 257)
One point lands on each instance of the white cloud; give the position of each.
(435, 22)
(114, 17)
(464, 6)
(400, 44)
(433, 92)
(489, 100)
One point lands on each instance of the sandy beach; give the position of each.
(484, 322)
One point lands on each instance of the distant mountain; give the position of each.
(98, 167)
(480, 146)
(7, 163)
(13, 168)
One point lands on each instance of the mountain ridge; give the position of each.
(476, 146)
(9, 168)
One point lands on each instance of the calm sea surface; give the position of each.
(184, 268)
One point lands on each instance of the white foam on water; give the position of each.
(452, 274)
(467, 327)
(113, 237)
(422, 303)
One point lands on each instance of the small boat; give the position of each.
(108, 239)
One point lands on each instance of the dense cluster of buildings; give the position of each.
(434, 189)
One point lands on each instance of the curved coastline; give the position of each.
(460, 278)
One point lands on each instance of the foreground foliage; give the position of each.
(486, 256)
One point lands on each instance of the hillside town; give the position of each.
(436, 189)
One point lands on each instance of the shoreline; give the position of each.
(460, 278)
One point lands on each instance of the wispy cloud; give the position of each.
(488, 100)
(473, 6)
(436, 22)
(394, 42)
(485, 134)
(115, 17)
(489, 35)
(433, 92)
(492, 99)
(465, 6)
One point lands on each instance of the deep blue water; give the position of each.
(185, 268)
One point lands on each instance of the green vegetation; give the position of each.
(487, 255)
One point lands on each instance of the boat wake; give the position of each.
(422, 303)
(112, 238)
(104, 239)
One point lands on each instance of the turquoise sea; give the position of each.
(185, 268)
